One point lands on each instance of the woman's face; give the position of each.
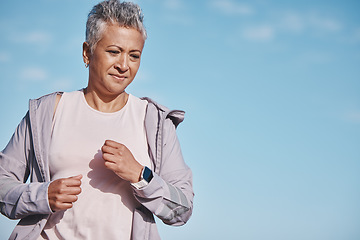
(115, 60)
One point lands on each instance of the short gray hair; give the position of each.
(125, 14)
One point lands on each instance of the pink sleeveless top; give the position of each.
(105, 206)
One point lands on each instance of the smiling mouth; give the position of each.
(118, 77)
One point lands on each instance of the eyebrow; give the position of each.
(134, 50)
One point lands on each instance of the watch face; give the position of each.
(147, 174)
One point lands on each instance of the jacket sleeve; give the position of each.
(19, 199)
(169, 195)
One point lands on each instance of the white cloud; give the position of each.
(173, 4)
(292, 22)
(35, 37)
(34, 74)
(177, 19)
(322, 23)
(259, 33)
(287, 22)
(301, 22)
(175, 13)
(230, 7)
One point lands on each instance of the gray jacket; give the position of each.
(25, 175)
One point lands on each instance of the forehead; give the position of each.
(114, 34)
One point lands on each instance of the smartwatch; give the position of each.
(146, 176)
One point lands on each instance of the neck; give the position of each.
(105, 103)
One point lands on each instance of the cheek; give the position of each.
(103, 62)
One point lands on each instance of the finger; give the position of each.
(66, 205)
(60, 191)
(72, 191)
(70, 199)
(112, 143)
(62, 201)
(108, 149)
(108, 157)
(62, 206)
(72, 182)
(65, 198)
(76, 177)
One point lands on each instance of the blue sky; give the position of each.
(271, 91)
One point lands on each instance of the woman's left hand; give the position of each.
(120, 160)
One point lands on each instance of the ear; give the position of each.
(86, 53)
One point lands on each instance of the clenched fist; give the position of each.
(120, 160)
(62, 193)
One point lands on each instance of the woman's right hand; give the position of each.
(62, 193)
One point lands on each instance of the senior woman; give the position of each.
(100, 162)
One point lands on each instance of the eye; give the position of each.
(113, 52)
(135, 57)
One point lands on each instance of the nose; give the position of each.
(122, 63)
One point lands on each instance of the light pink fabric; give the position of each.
(105, 207)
